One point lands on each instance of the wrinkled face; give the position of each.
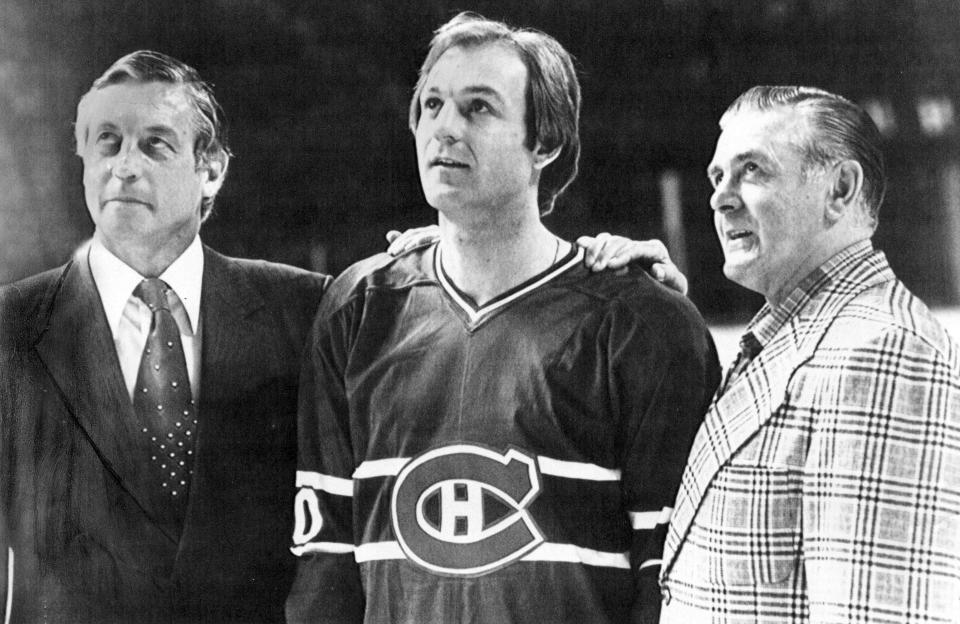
(768, 213)
(471, 133)
(141, 179)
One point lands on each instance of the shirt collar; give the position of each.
(770, 319)
(116, 280)
(185, 277)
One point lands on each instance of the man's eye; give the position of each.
(157, 143)
(751, 167)
(716, 179)
(107, 138)
(432, 103)
(155, 146)
(479, 106)
(108, 142)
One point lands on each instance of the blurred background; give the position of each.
(316, 97)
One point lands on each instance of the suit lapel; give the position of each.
(228, 307)
(730, 422)
(76, 347)
(233, 339)
(752, 400)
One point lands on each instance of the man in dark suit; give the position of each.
(102, 521)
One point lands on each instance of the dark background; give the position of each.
(316, 95)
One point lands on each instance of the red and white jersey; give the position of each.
(511, 462)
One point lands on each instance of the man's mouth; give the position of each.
(443, 161)
(737, 234)
(124, 200)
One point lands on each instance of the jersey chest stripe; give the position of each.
(380, 468)
(641, 520)
(391, 467)
(378, 551)
(326, 483)
(334, 548)
(576, 470)
(548, 551)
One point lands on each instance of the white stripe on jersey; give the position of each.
(642, 520)
(487, 309)
(649, 563)
(380, 468)
(383, 551)
(378, 551)
(392, 466)
(8, 608)
(577, 470)
(335, 548)
(549, 551)
(317, 481)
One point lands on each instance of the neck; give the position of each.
(485, 262)
(147, 258)
(818, 256)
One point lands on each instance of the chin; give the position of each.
(445, 200)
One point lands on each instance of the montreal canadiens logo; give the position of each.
(462, 510)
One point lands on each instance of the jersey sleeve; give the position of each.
(665, 371)
(327, 584)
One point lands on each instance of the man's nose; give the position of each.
(448, 123)
(127, 164)
(725, 197)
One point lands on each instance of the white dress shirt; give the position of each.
(129, 317)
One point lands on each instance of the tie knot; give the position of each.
(153, 293)
(749, 346)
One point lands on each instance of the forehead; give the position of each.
(774, 134)
(132, 105)
(493, 66)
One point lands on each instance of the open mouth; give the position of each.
(738, 234)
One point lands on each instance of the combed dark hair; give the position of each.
(842, 130)
(145, 66)
(552, 96)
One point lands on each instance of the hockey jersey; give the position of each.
(510, 462)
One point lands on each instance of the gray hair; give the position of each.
(145, 66)
(841, 130)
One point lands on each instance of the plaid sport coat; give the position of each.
(824, 484)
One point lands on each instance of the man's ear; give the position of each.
(215, 170)
(845, 187)
(543, 157)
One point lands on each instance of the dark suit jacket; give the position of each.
(88, 543)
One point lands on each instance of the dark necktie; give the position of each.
(162, 398)
(749, 348)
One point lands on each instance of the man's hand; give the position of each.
(414, 237)
(606, 251)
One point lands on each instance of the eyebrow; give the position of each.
(165, 131)
(475, 90)
(739, 158)
(161, 130)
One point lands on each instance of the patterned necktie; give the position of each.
(749, 348)
(162, 398)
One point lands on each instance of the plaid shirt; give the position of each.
(824, 484)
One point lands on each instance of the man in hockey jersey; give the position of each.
(489, 432)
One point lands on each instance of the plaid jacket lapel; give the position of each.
(751, 401)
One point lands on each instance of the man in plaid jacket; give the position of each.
(824, 484)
